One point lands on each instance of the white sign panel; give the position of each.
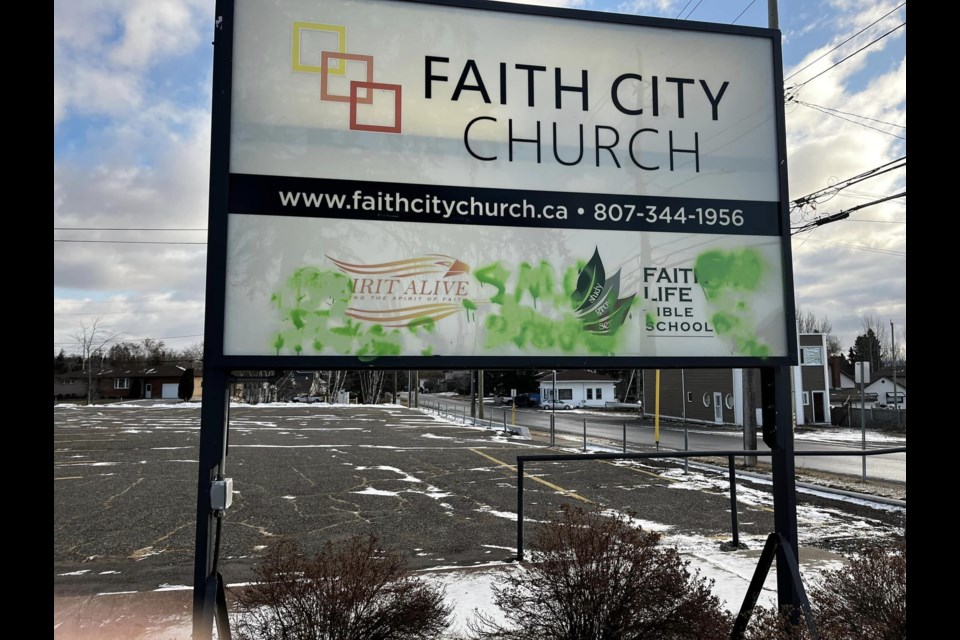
(410, 179)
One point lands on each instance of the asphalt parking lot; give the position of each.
(125, 482)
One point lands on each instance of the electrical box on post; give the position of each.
(221, 494)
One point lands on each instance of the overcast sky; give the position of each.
(131, 113)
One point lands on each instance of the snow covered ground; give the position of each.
(468, 590)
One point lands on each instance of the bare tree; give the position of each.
(91, 338)
(371, 385)
(870, 322)
(900, 356)
(335, 384)
(834, 348)
(193, 354)
(811, 323)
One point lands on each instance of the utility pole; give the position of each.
(480, 392)
(473, 393)
(750, 419)
(896, 394)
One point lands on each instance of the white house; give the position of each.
(578, 388)
(884, 387)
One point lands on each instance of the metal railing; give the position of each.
(774, 541)
(730, 455)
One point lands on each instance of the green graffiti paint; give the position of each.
(729, 279)
(426, 323)
(722, 271)
(496, 275)
(547, 322)
(724, 322)
(313, 305)
(471, 308)
(538, 281)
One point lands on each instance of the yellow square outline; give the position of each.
(341, 32)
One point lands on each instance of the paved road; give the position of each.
(445, 494)
(888, 467)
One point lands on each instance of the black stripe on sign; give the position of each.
(357, 200)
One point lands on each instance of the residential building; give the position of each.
(718, 396)
(137, 382)
(578, 388)
(882, 384)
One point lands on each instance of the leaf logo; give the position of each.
(596, 300)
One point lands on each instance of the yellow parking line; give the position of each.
(534, 478)
(70, 478)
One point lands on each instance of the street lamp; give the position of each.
(553, 398)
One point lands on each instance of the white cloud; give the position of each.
(147, 163)
(570, 4)
(646, 7)
(155, 28)
(847, 269)
(103, 48)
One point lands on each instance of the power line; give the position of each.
(127, 241)
(834, 189)
(128, 300)
(859, 247)
(842, 60)
(836, 115)
(129, 229)
(855, 115)
(743, 12)
(192, 335)
(842, 43)
(117, 313)
(692, 10)
(684, 8)
(842, 215)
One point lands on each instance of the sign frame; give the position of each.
(220, 179)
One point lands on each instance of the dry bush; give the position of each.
(866, 600)
(596, 577)
(350, 591)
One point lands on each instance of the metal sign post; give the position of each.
(778, 435)
(313, 239)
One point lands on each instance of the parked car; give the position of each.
(528, 400)
(559, 404)
(303, 397)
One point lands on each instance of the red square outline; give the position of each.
(325, 57)
(397, 92)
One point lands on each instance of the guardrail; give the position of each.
(774, 541)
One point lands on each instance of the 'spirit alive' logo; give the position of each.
(335, 69)
(395, 293)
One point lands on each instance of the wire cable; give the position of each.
(692, 10)
(128, 241)
(743, 12)
(129, 229)
(684, 9)
(847, 113)
(842, 60)
(859, 247)
(844, 42)
(862, 124)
